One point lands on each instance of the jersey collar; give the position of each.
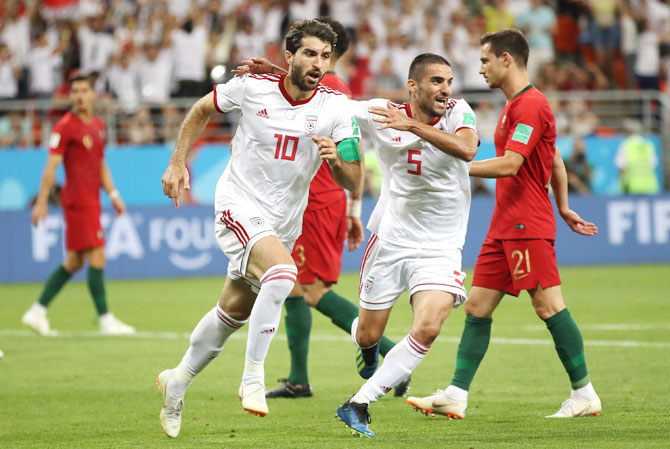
(530, 86)
(286, 95)
(408, 110)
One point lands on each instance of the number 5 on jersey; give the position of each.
(282, 150)
(414, 158)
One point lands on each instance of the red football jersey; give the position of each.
(324, 191)
(523, 209)
(82, 146)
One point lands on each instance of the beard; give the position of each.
(300, 81)
(427, 106)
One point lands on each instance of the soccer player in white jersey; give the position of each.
(424, 148)
(289, 125)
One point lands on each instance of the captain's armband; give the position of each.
(348, 150)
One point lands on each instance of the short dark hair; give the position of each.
(80, 77)
(510, 41)
(314, 28)
(418, 65)
(343, 38)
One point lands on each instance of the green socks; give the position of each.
(55, 282)
(298, 326)
(570, 347)
(96, 285)
(471, 350)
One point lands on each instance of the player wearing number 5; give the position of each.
(424, 148)
(289, 125)
(518, 253)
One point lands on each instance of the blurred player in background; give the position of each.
(424, 148)
(78, 140)
(518, 253)
(327, 221)
(289, 126)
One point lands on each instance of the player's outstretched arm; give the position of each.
(257, 66)
(498, 167)
(462, 145)
(176, 179)
(559, 185)
(346, 173)
(39, 211)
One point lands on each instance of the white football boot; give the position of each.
(439, 403)
(36, 319)
(575, 408)
(111, 325)
(252, 396)
(172, 404)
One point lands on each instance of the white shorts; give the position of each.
(237, 229)
(388, 270)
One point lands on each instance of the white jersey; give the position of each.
(273, 156)
(425, 194)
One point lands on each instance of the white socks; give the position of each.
(585, 393)
(207, 341)
(276, 284)
(456, 393)
(398, 364)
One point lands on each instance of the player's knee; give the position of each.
(281, 278)
(545, 311)
(426, 333)
(367, 336)
(311, 299)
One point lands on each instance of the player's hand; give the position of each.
(578, 224)
(175, 180)
(391, 117)
(253, 65)
(119, 205)
(39, 213)
(327, 150)
(355, 234)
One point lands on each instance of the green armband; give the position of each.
(348, 150)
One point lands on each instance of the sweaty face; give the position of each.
(434, 89)
(310, 63)
(492, 67)
(82, 96)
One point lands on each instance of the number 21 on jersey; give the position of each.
(287, 147)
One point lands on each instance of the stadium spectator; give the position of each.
(636, 160)
(171, 118)
(522, 229)
(96, 46)
(578, 169)
(539, 24)
(606, 34)
(9, 74)
(387, 84)
(15, 31)
(155, 74)
(249, 43)
(648, 61)
(44, 63)
(14, 129)
(487, 120)
(141, 128)
(124, 82)
(189, 44)
(497, 15)
(78, 141)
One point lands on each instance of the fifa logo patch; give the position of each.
(368, 284)
(310, 123)
(257, 221)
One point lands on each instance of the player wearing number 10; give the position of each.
(289, 125)
(518, 253)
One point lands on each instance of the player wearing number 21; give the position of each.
(518, 253)
(289, 125)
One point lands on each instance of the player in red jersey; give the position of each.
(518, 253)
(78, 141)
(328, 220)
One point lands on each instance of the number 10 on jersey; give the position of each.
(282, 150)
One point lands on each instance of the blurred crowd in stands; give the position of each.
(147, 53)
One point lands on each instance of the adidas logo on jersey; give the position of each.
(396, 139)
(263, 113)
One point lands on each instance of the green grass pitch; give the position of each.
(80, 390)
